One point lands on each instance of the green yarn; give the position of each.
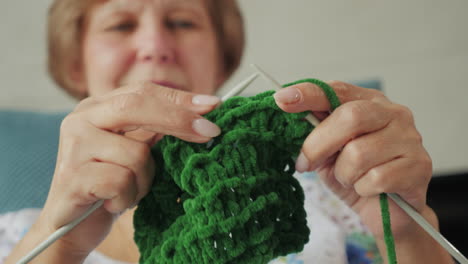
(234, 199)
(329, 92)
(389, 241)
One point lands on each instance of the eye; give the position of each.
(123, 27)
(180, 24)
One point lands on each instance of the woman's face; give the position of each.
(169, 42)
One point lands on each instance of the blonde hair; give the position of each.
(66, 25)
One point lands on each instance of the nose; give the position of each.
(156, 44)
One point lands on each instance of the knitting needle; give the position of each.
(236, 90)
(239, 88)
(395, 197)
(59, 233)
(311, 118)
(436, 235)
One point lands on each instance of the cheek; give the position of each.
(203, 63)
(104, 63)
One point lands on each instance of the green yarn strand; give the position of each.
(389, 240)
(329, 92)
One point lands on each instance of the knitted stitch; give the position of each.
(232, 200)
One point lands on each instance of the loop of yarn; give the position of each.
(232, 200)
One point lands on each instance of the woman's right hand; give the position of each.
(104, 153)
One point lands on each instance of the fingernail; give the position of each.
(206, 128)
(302, 163)
(205, 100)
(290, 95)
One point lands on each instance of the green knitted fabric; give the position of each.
(233, 200)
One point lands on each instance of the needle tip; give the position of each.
(238, 89)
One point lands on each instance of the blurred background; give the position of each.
(417, 50)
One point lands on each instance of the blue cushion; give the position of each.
(28, 151)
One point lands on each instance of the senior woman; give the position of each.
(148, 68)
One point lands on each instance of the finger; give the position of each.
(141, 135)
(104, 146)
(370, 150)
(131, 111)
(320, 115)
(346, 123)
(115, 184)
(83, 104)
(405, 176)
(198, 103)
(125, 152)
(310, 97)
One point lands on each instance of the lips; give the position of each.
(167, 84)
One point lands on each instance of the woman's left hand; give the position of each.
(367, 146)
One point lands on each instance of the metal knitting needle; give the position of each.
(236, 90)
(428, 227)
(58, 234)
(310, 117)
(395, 197)
(239, 88)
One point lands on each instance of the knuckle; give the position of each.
(363, 189)
(416, 136)
(353, 113)
(404, 112)
(65, 173)
(83, 103)
(145, 88)
(379, 98)
(127, 102)
(72, 129)
(310, 90)
(376, 94)
(426, 166)
(69, 123)
(377, 180)
(342, 89)
(339, 85)
(172, 95)
(123, 181)
(356, 154)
